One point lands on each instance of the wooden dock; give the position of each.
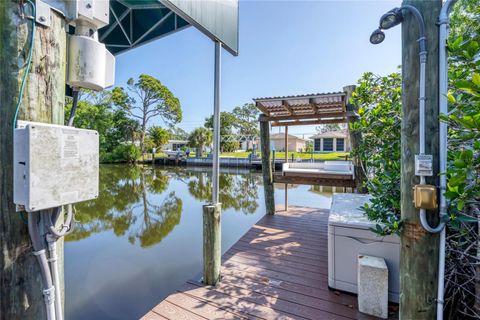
(277, 270)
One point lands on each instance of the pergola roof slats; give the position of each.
(312, 109)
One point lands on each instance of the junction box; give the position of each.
(54, 165)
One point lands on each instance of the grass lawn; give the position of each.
(278, 155)
(296, 155)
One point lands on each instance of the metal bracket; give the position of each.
(43, 13)
(67, 8)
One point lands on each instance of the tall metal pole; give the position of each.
(216, 123)
(212, 252)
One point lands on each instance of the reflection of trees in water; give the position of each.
(239, 192)
(133, 201)
(124, 206)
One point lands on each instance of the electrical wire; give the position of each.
(29, 61)
(74, 107)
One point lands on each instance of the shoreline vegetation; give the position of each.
(280, 155)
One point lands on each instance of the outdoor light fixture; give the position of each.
(391, 18)
(377, 36)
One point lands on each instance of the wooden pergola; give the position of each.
(302, 110)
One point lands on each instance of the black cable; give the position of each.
(74, 108)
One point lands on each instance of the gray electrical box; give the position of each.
(54, 165)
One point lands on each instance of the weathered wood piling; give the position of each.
(212, 239)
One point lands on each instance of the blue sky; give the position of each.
(286, 48)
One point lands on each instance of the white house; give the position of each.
(332, 141)
(175, 145)
(277, 142)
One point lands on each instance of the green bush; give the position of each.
(462, 288)
(379, 101)
(123, 153)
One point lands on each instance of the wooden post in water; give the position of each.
(355, 139)
(267, 165)
(419, 249)
(43, 101)
(212, 238)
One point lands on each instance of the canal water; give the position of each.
(142, 238)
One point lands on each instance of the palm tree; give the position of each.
(199, 138)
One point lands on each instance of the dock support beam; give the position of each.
(43, 101)
(212, 238)
(267, 165)
(419, 249)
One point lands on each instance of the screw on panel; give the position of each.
(89, 6)
(42, 19)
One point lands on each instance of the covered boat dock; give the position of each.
(302, 110)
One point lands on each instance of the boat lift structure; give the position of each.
(302, 110)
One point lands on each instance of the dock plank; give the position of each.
(172, 311)
(277, 270)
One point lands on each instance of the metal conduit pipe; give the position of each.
(443, 21)
(52, 238)
(40, 253)
(52, 250)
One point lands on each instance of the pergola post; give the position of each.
(266, 165)
(286, 161)
(355, 139)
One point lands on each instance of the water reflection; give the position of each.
(237, 193)
(134, 201)
(142, 238)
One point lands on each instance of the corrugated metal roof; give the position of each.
(301, 96)
(313, 107)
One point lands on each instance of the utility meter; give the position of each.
(54, 165)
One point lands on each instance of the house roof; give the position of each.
(331, 134)
(281, 136)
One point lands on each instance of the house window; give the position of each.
(316, 146)
(327, 144)
(340, 144)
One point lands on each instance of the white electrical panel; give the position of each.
(54, 165)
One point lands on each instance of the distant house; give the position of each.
(332, 141)
(250, 144)
(175, 145)
(277, 142)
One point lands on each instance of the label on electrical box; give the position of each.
(424, 165)
(70, 148)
